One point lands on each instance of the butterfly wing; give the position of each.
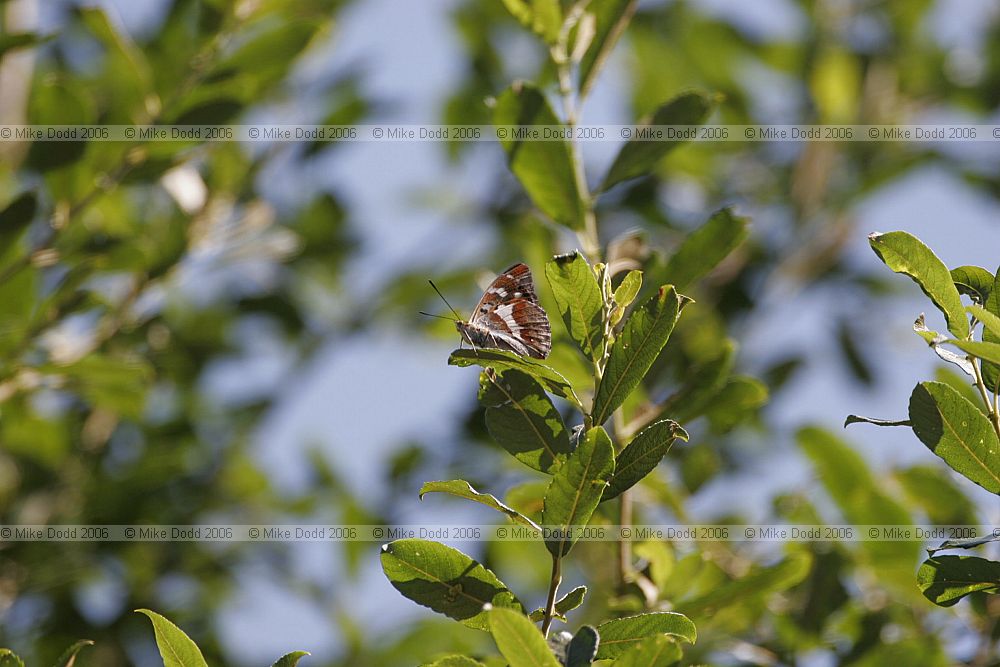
(509, 317)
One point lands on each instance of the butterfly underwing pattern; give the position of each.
(508, 317)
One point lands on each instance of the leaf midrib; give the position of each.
(954, 432)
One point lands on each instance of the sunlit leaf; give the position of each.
(576, 489)
(578, 296)
(502, 360)
(446, 580)
(543, 17)
(906, 254)
(583, 647)
(958, 432)
(176, 648)
(519, 640)
(944, 580)
(290, 659)
(973, 281)
(619, 635)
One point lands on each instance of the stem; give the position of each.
(991, 404)
(550, 604)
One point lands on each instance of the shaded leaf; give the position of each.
(527, 424)
(855, 419)
(576, 489)
(635, 349)
(736, 402)
(11, 41)
(969, 543)
(544, 168)
(638, 157)
(643, 454)
(176, 648)
(14, 220)
(446, 580)
(502, 360)
(454, 661)
(462, 489)
(956, 431)
(944, 580)
(578, 296)
(906, 254)
(704, 248)
(519, 640)
(290, 659)
(619, 635)
(934, 340)
(759, 582)
(583, 647)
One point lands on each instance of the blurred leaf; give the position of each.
(119, 385)
(9, 659)
(575, 289)
(619, 635)
(659, 651)
(639, 156)
(704, 248)
(643, 454)
(852, 353)
(454, 661)
(835, 84)
(14, 220)
(462, 489)
(576, 489)
(736, 402)
(18, 294)
(176, 648)
(583, 647)
(12, 41)
(635, 349)
(290, 659)
(611, 18)
(56, 100)
(519, 640)
(68, 657)
(526, 423)
(212, 112)
(944, 580)
(127, 75)
(543, 17)
(956, 431)
(973, 281)
(571, 600)
(906, 254)
(544, 168)
(761, 581)
(446, 580)
(502, 360)
(702, 384)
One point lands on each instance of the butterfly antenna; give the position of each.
(455, 312)
(441, 317)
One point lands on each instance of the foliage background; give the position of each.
(212, 333)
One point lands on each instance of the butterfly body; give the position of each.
(508, 317)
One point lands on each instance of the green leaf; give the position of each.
(578, 296)
(527, 424)
(454, 661)
(571, 600)
(736, 402)
(932, 489)
(9, 659)
(176, 648)
(446, 580)
(68, 657)
(11, 41)
(544, 168)
(583, 647)
(991, 372)
(14, 220)
(108, 382)
(856, 419)
(635, 349)
(702, 385)
(944, 580)
(643, 454)
(519, 640)
(626, 291)
(611, 18)
(704, 248)
(906, 254)
(56, 100)
(985, 351)
(576, 489)
(290, 659)
(543, 17)
(638, 157)
(502, 360)
(462, 489)
(973, 281)
(619, 635)
(990, 321)
(759, 582)
(660, 651)
(958, 432)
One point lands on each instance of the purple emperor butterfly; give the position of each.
(508, 317)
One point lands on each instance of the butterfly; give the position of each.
(508, 317)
